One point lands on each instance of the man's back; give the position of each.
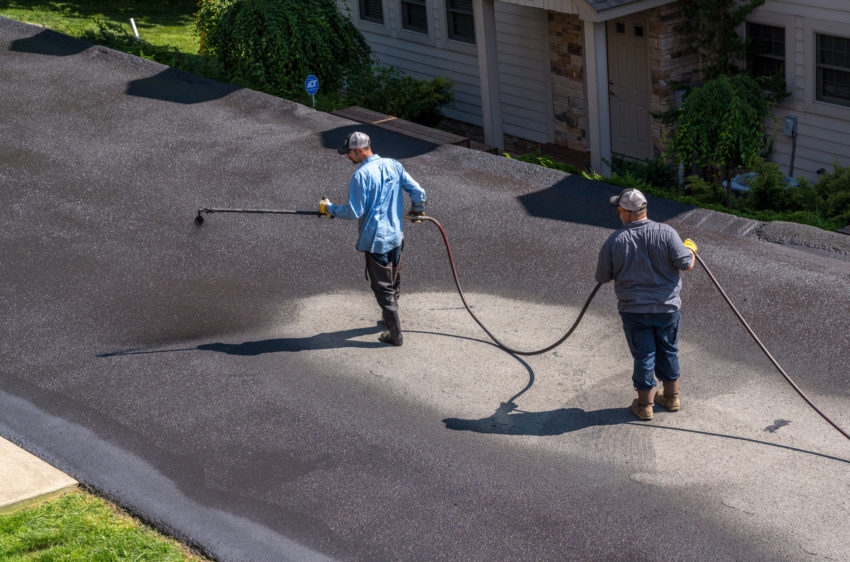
(644, 259)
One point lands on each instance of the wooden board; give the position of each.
(415, 130)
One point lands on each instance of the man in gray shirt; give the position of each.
(645, 258)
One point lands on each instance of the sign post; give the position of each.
(312, 86)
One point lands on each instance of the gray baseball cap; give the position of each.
(354, 140)
(630, 199)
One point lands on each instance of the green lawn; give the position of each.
(161, 23)
(84, 527)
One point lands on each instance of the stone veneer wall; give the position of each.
(566, 58)
(670, 59)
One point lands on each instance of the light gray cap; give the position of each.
(630, 199)
(354, 140)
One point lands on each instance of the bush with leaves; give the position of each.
(390, 91)
(704, 192)
(721, 127)
(546, 161)
(273, 45)
(833, 192)
(655, 171)
(771, 189)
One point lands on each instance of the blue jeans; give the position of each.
(652, 339)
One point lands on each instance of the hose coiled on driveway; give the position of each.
(587, 303)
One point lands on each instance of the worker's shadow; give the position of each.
(328, 340)
(507, 420)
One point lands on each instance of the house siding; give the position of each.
(823, 129)
(526, 92)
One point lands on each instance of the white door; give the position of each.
(629, 87)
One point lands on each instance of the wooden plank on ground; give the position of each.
(409, 128)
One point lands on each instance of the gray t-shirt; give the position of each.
(644, 259)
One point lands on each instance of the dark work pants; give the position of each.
(653, 340)
(384, 272)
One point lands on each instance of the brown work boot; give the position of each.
(642, 405)
(669, 397)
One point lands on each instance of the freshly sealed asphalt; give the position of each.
(224, 382)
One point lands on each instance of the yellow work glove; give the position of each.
(323, 204)
(413, 214)
(690, 245)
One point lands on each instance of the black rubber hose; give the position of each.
(766, 352)
(199, 220)
(587, 303)
(483, 327)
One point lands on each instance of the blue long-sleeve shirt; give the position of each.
(375, 198)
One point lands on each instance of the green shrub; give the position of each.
(769, 189)
(833, 192)
(655, 171)
(273, 45)
(804, 203)
(546, 161)
(390, 91)
(704, 192)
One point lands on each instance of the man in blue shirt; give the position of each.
(645, 259)
(375, 199)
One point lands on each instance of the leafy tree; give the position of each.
(711, 27)
(721, 127)
(273, 45)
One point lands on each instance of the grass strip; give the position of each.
(164, 23)
(83, 526)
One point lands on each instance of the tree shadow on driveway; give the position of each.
(388, 144)
(177, 86)
(582, 201)
(50, 43)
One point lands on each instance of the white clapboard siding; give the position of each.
(823, 129)
(523, 55)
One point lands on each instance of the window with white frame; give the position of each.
(765, 50)
(833, 69)
(371, 10)
(414, 15)
(461, 26)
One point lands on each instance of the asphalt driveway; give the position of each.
(225, 383)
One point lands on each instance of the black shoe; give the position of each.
(387, 337)
(393, 334)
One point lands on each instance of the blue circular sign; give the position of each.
(311, 85)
